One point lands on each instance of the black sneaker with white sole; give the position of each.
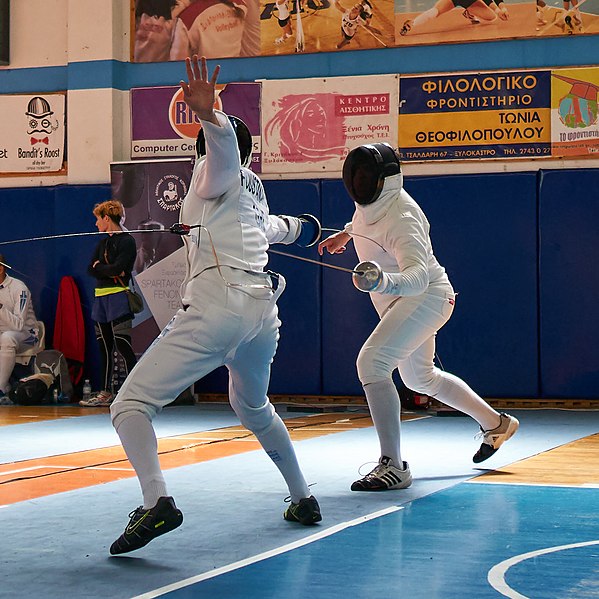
(146, 525)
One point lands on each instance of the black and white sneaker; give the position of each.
(384, 477)
(146, 525)
(493, 439)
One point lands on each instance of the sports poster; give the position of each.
(493, 115)
(152, 193)
(310, 125)
(164, 30)
(574, 112)
(33, 133)
(162, 126)
(289, 26)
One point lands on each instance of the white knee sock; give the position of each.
(455, 393)
(385, 409)
(139, 441)
(425, 17)
(277, 444)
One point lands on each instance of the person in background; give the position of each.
(359, 15)
(216, 29)
(476, 11)
(111, 266)
(229, 316)
(284, 19)
(413, 297)
(18, 326)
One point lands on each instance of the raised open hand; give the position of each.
(199, 92)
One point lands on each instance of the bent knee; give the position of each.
(426, 383)
(373, 365)
(8, 342)
(121, 409)
(258, 420)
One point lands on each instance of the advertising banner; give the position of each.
(574, 112)
(310, 125)
(152, 193)
(33, 133)
(162, 126)
(494, 115)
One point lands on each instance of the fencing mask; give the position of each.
(365, 169)
(244, 141)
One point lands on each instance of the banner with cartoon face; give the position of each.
(33, 133)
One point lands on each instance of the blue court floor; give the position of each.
(448, 536)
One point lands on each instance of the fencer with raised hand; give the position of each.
(413, 297)
(229, 315)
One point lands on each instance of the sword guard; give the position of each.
(180, 229)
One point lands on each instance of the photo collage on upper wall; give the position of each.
(166, 30)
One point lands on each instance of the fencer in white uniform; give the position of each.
(413, 297)
(229, 316)
(18, 325)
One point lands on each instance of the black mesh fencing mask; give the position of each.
(244, 140)
(365, 169)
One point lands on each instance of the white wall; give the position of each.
(50, 33)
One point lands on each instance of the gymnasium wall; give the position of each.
(517, 238)
(519, 248)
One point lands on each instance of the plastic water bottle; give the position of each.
(55, 396)
(87, 389)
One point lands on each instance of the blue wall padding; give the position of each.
(484, 232)
(348, 316)
(42, 211)
(569, 283)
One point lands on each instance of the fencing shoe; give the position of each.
(306, 512)
(146, 525)
(496, 437)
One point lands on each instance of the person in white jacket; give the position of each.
(413, 297)
(18, 325)
(229, 316)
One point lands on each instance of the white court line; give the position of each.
(267, 554)
(41, 467)
(496, 576)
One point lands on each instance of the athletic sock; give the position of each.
(455, 393)
(139, 441)
(425, 17)
(277, 444)
(385, 409)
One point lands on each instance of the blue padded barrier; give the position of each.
(569, 283)
(484, 232)
(348, 316)
(42, 211)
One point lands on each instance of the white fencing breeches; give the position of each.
(405, 339)
(11, 343)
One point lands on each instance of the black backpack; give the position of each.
(51, 373)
